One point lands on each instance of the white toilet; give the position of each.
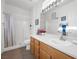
(27, 44)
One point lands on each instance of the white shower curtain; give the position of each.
(8, 31)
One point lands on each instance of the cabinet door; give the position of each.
(37, 52)
(37, 49)
(44, 55)
(32, 46)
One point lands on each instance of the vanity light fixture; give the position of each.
(52, 3)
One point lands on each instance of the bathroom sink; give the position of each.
(61, 43)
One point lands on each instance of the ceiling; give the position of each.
(25, 4)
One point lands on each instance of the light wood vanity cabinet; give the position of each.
(42, 51)
(34, 47)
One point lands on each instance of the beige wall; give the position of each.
(36, 15)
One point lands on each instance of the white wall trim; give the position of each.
(13, 47)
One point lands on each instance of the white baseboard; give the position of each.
(13, 47)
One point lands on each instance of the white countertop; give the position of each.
(70, 49)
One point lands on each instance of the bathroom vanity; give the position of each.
(49, 47)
